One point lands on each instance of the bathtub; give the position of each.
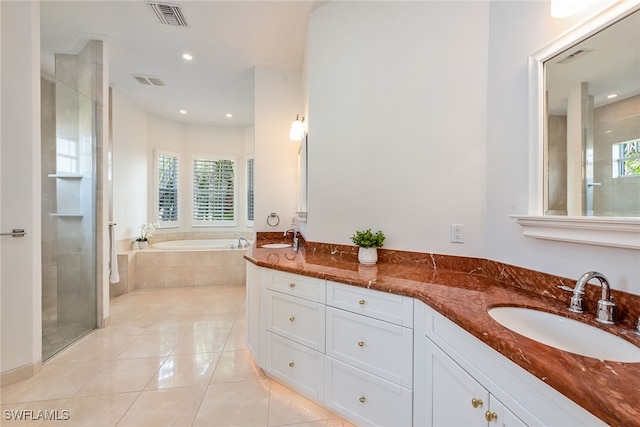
(196, 245)
(190, 263)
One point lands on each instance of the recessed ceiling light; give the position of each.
(613, 95)
(187, 57)
(183, 111)
(229, 115)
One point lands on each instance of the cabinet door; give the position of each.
(455, 398)
(253, 309)
(501, 416)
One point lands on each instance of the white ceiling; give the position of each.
(227, 39)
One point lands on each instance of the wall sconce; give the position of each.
(297, 129)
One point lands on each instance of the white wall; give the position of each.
(278, 98)
(130, 180)
(20, 283)
(136, 136)
(518, 29)
(397, 129)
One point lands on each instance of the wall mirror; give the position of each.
(592, 129)
(584, 176)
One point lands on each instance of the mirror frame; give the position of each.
(622, 232)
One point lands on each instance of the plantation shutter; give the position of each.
(213, 190)
(167, 187)
(249, 189)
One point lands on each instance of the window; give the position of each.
(626, 158)
(250, 191)
(214, 198)
(167, 184)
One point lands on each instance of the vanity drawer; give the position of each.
(308, 288)
(297, 365)
(392, 308)
(297, 319)
(364, 398)
(381, 348)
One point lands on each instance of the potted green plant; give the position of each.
(146, 231)
(368, 243)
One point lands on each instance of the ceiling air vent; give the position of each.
(575, 55)
(148, 80)
(169, 14)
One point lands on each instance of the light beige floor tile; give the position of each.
(184, 370)
(151, 345)
(213, 321)
(165, 326)
(122, 375)
(244, 403)
(202, 341)
(29, 413)
(237, 339)
(236, 365)
(170, 407)
(93, 348)
(53, 382)
(336, 422)
(288, 407)
(95, 411)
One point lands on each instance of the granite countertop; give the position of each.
(463, 291)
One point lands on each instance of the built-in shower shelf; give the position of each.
(67, 215)
(65, 175)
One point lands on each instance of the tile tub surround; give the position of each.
(462, 289)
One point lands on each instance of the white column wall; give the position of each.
(20, 180)
(397, 129)
(278, 98)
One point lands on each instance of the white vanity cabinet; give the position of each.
(293, 320)
(369, 354)
(452, 368)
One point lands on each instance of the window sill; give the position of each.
(618, 232)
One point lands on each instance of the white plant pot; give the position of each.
(367, 256)
(142, 245)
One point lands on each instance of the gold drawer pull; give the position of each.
(490, 416)
(362, 399)
(361, 302)
(291, 364)
(292, 285)
(360, 343)
(476, 402)
(292, 318)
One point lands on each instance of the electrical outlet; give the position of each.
(457, 233)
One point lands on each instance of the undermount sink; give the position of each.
(566, 334)
(276, 245)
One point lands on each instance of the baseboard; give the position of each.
(21, 373)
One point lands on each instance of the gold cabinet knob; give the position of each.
(291, 364)
(490, 416)
(292, 285)
(360, 343)
(362, 399)
(361, 302)
(476, 402)
(292, 318)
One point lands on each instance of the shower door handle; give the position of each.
(16, 232)
(594, 184)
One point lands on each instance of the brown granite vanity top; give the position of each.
(463, 289)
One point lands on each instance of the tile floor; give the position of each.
(171, 357)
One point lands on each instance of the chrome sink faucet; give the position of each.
(606, 306)
(295, 238)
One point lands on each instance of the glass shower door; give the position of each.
(69, 308)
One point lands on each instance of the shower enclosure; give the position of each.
(69, 178)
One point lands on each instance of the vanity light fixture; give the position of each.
(297, 129)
